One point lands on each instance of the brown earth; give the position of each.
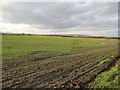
(62, 71)
(83, 38)
(99, 39)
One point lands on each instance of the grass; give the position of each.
(108, 79)
(42, 61)
(17, 45)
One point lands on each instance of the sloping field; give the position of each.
(53, 62)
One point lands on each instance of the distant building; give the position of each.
(76, 35)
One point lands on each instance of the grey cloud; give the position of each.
(63, 16)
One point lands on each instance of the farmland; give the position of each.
(54, 62)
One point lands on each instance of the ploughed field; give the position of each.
(54, 62)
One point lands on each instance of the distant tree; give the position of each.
(23, 33)
(28, 34)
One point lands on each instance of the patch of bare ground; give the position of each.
(61, 71)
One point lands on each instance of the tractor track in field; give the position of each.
(65, 71)
(16, 70)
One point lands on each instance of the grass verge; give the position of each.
(108, 79)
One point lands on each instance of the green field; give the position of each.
(53, 62)
(15, 45)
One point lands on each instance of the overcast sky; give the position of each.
(98, 19)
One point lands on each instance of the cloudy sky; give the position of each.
(98, 19)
